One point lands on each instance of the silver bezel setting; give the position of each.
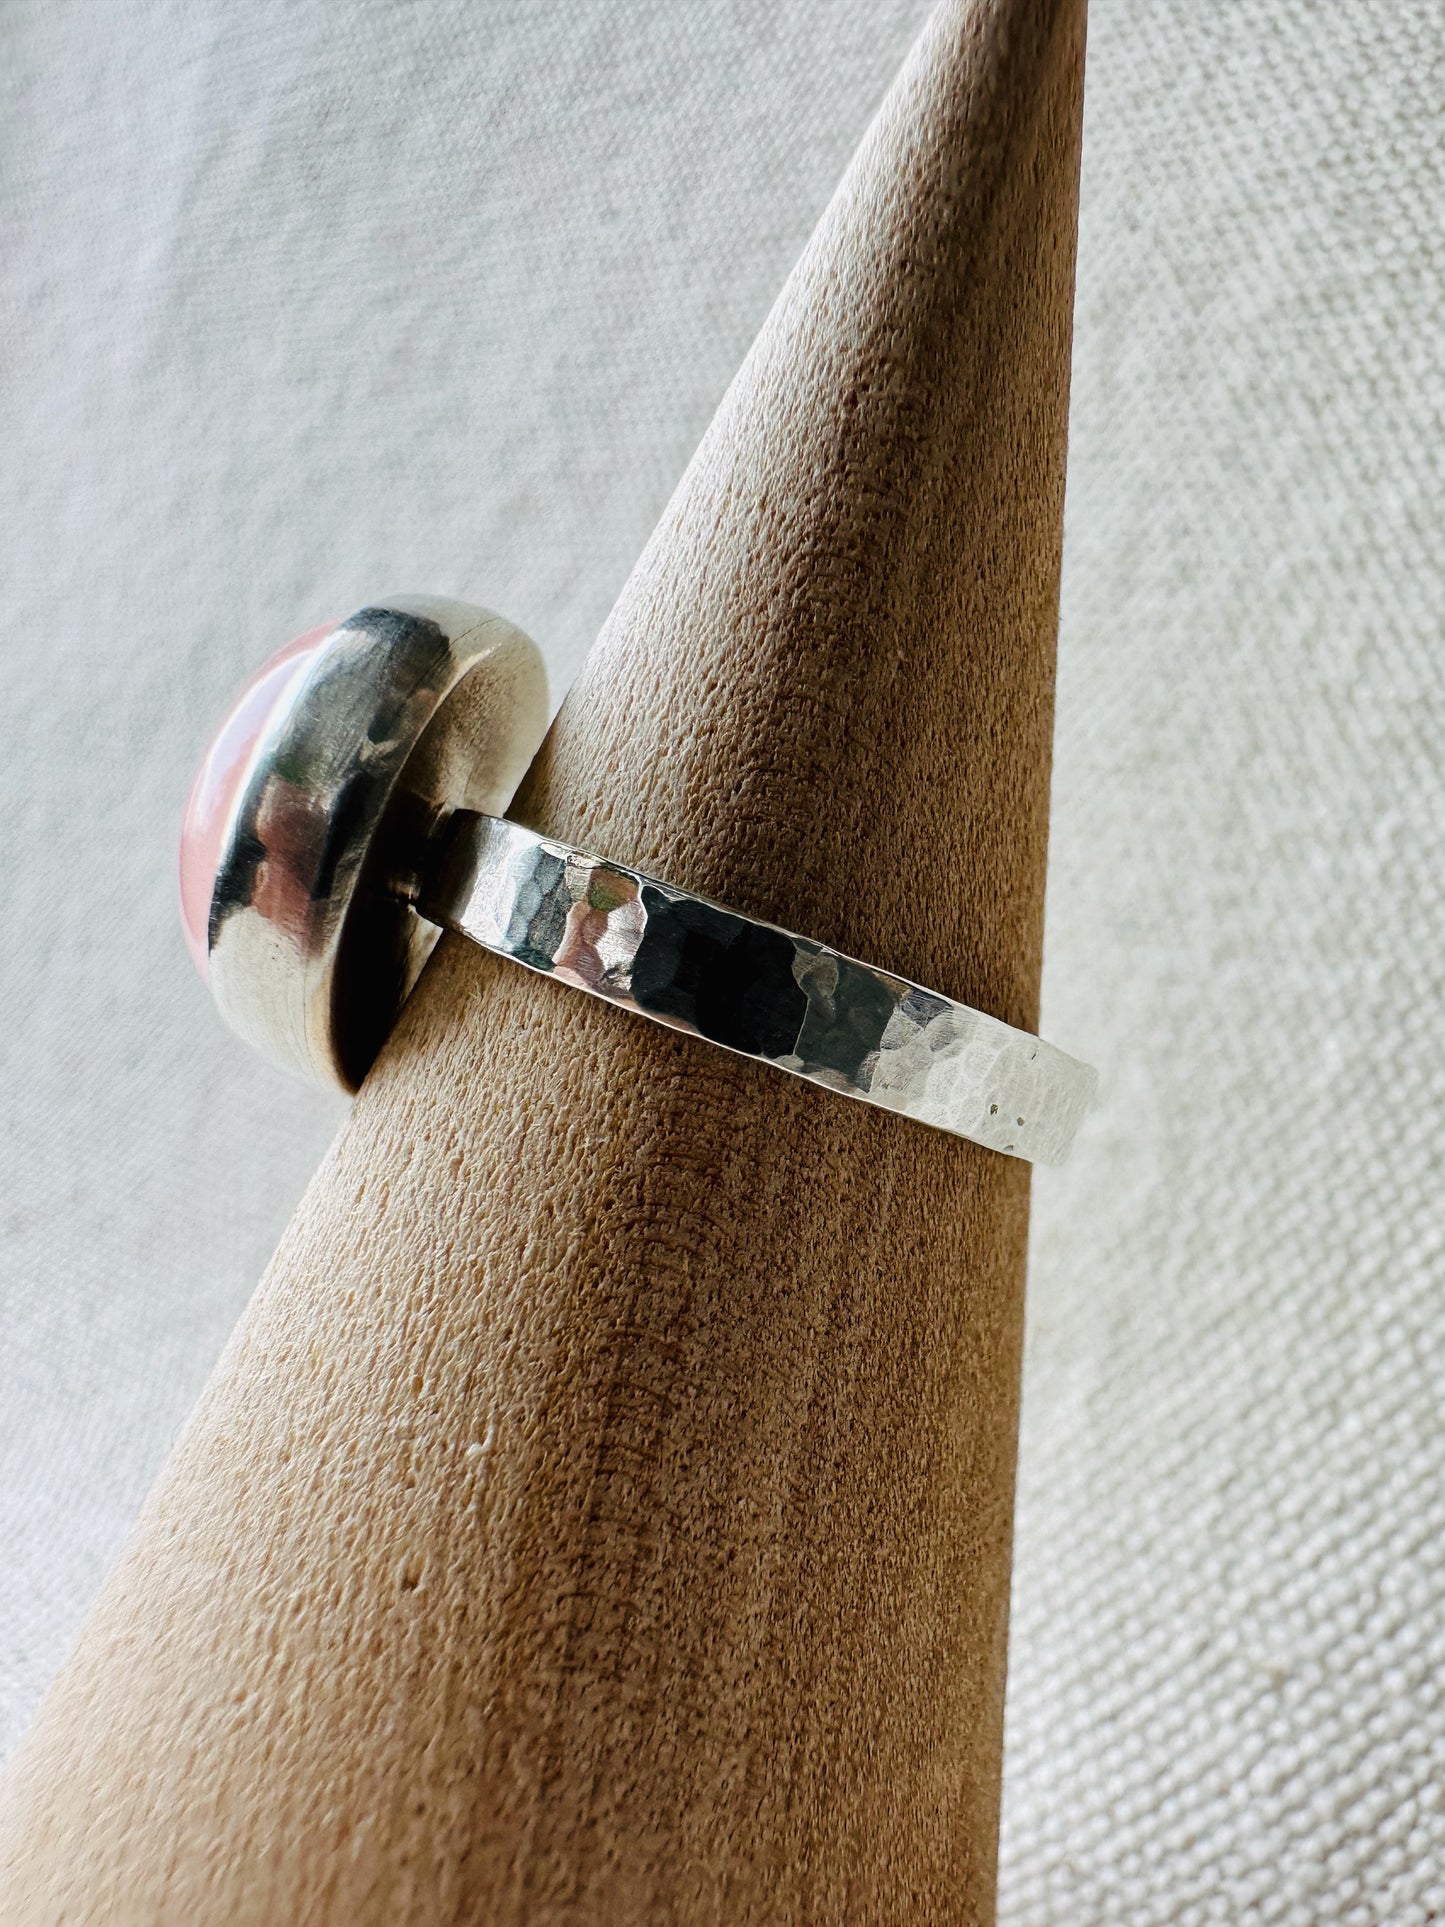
(412, 708)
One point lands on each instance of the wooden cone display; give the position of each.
(603, 1510)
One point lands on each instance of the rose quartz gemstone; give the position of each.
(222, 771)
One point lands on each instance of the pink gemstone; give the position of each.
(223, 769)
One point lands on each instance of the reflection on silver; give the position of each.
(757, 990)
(410, 709)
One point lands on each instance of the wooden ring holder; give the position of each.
(603, 1509)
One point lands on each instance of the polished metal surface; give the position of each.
(408, 710)
(758, 990)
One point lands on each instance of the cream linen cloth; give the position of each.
(302, 302)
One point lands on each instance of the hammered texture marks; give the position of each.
(761, 991)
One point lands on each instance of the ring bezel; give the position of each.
(407, 711)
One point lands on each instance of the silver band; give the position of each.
(758, 990)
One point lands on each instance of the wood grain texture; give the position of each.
(602, 1512)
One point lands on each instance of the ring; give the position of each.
(350, 809)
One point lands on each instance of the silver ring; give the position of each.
(366, 816)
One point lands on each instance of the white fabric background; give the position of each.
(301, 302)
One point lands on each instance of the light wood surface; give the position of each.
(602, 1512)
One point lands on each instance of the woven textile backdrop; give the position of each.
(302, 302)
